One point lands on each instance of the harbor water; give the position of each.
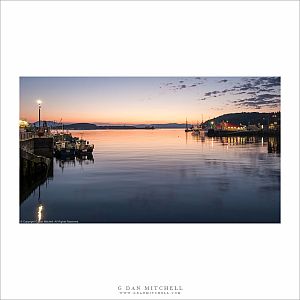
(163, 176)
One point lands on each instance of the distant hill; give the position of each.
(81, 126)
(244, 118)
(235, 118)
(168, 125)
(116, 127)
(89, 126)
(49, 123)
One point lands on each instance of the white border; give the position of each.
(214, 261)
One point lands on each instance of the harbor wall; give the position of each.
(43, 146)
(36, 157)
(39, 146)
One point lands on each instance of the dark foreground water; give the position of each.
(161, 176)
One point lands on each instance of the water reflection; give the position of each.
(28, 184)
(238, 140)
(273, 145)
(163, 176)
(86, 159)
(72, 161)
(40, 207)
(272, 142)
(198, 136)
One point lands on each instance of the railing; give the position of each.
(26, 135)
(29, 135)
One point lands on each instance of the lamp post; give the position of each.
(39, 102)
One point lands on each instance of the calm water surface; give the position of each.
(162, 175)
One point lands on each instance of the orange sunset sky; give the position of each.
(145, 100)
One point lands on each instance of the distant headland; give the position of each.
(244, 118)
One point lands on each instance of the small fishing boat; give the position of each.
(83, 147)
(64, 148)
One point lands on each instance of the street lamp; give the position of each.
(39, 102)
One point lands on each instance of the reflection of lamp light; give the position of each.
(40, 207)
(40, 213)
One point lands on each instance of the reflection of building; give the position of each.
(273, 145)
(238, 140)
(230, 126)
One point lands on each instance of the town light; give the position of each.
(23, 124)
(39, 102)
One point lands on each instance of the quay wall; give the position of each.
(39, 146)
(27, 145)
(36, 156)
(43, 146)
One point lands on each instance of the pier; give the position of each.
(36, 155)
(224, 133)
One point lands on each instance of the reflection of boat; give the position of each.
(65, 161)
(86, 159)
(71, 161)
(195, 132)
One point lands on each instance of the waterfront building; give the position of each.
(230, 126)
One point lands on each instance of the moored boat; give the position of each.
(83, 146)
(64, 148)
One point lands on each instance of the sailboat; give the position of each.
(200, 128)
(186, 126)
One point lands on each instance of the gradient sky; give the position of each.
(139, 100)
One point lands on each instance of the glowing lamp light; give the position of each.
(23, 124)
(39, 102)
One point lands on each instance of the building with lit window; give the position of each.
(230, 126)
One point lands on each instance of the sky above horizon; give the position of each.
(145, 100)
